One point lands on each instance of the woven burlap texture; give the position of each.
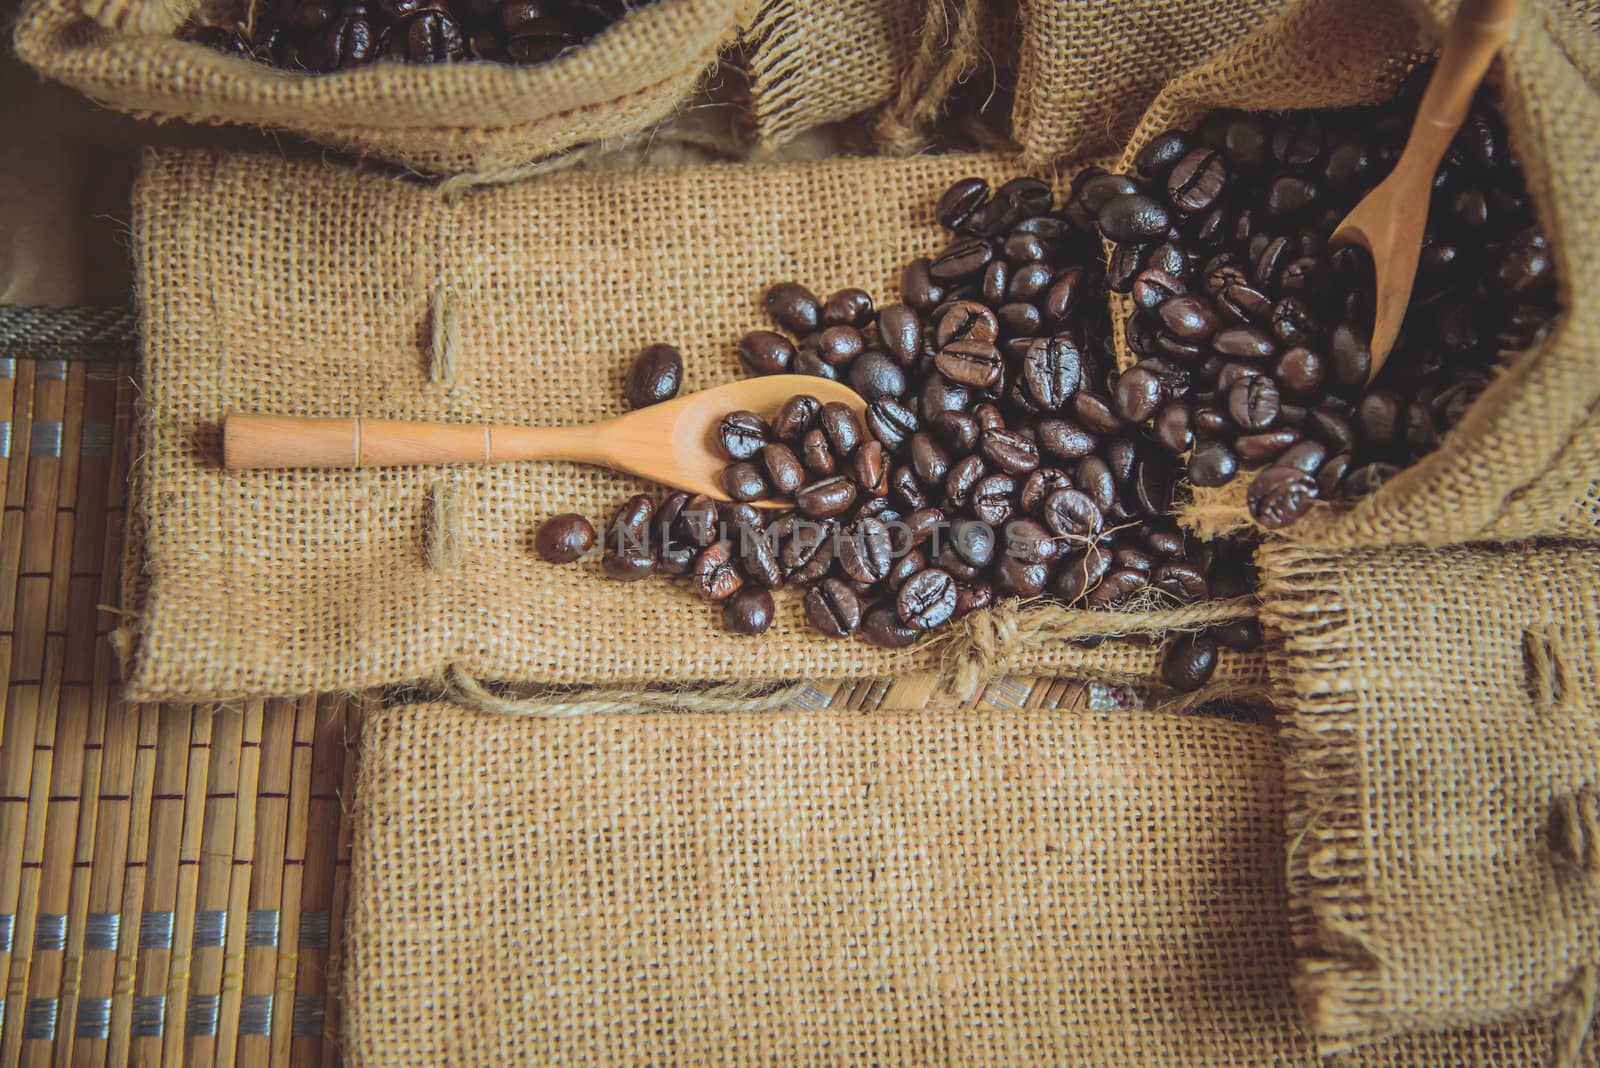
(1017, 888)
(288, 287)
(439, 120)
(1522, 462)
(1443, 758)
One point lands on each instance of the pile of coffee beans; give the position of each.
(1003, 455)
(328, 35)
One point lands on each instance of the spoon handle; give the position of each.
(265, 441)
(1470, 45)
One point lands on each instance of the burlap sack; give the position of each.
(1027, 888)
(1443, 783)
(295, 288)
(477, 118)
(1523, 462)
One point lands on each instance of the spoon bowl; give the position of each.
(673, 443)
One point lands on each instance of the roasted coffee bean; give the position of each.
(1280, 495)
(960, 482)
(992, 498)
(744, 481)
(1378, 420)
(1292, 321)
(749, 611)
(1130, 217)
(1134, 559)
(1117, 587)
(1299, 371)
(870, 468)
(697, 521)
(1119, 455)
(843, 427)
(676, 558)
(904, 567)
(805, 549)
(794, 307)
(865, 551)
(1245, 304)
(970, 363)
(732, 515)
(716, 578)
(1188, 318)
(655, 376)
(961, 259)
(947, 559)
(1332, 429)
(1009, 451)
(764, 352)
(974, 541)
(1137, 396)
(1181, 581)
(349, 40)
(994, 281)
(1064, 440)
(1161, 152)
(1094, 477)
(1051, 371)
(1351, 361)
(432, 37)
(960, 201)
(1040, 486)
(847, 307)
(971, 597)
(1211, 421)
(1070, 513)
(808, 361)
(816, 453)
(1030, 542)
(629, 550)
(881, 626)
(826, 499)
(939, 394)
(891, 421)
(1212, 464)
(758, 555)
(1197, 180)
(785, 472)
(957, 430)
(833, 608)
(1267, 445)
(1123, 267)
(1063, 296)
(1094, 188)
(1029, 282)
(1078, 574)
(1366, 478)
(1243, 343)
(836, 345)
(1306, 455)
(989, 417)
(875, 376)
(1188, 661)
(901, 333)
(927, 599)
(1095, 414)
(795, 418)
(1241, 634)
(1152, 287)
(1331, 474)
(917, 287)
(564, 538)
(1253, 402)
(905, 488)
(922, 524)
(1174, 427)
(1020, 320)
(1018, 578)
(928, 460)
(742, 434)
(667, 513)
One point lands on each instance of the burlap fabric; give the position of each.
(1523, 463)
(285, 287)
(1020, 888)
(1443, 763)
(479, 118)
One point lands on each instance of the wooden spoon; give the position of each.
(674, 442)
(1389, 220)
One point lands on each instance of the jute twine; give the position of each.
(948, 51)
(989, 640)
(560, 703)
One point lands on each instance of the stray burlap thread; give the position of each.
(1442, 758)
(831, 887)
(459, 118)
(1525, 461)
(278, 286)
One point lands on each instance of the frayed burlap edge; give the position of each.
(1324, 800)
(950, 49)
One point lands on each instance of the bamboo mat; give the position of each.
(172, 877)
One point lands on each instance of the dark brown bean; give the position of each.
(564, 538)
(765, 352)
(785, 473)
(842, 426)
(881, 626)
(749, 611)
(833, 608)
(1267, 445)
(744, 481)
(1280, 495)
(1253, 402)
(655, 376)
(1070, 513)
(1009, 451)
(716, 578)
(927, 599)
(1212, 464)
(960, 482)
(901, 333)
(795, 418)
(742, 434)
(826, 499)
(1188, 661)
(870, 467)
(794, 307)
(1051, 371)
(970, 363)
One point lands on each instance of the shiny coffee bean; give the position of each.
(1065, 440)
(992, 498)
(697, 521)
(870, 468)
(629, 550)
(881, 626)
(1305, 455)
(842, 426)
(716, 575)
(1188, 317)
(1174, 427)
(1117, 587)
(1131, 217)
(865, 551)
(1212, 464)
(959, 483)
(1181, 581)
(917, 287)
(847, 307)
(900, 331)
(1031, 542)
(891, 422)
(794, 307)
(1040, 486)
(1051, 371)
(742, 435)
(971, 597)
(785, 473)
(1137, 396)
(958, 202)
(564, 538)
(973, 364)
(1188, 661)
(1070, 513)
(744, 481)
(1253, 402)
(1078, 574)
(961, 259)
(749, 611)
(1014, 577)
(816, 453)
(833, 608)
(1267, 445)
(927, 599)
(1280, 495)
(1197, 180)
(876, 375)
(1094, 477)
(826, 499)
(1009, 451)
(929, 462)
(655, 376)
(974, 541)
